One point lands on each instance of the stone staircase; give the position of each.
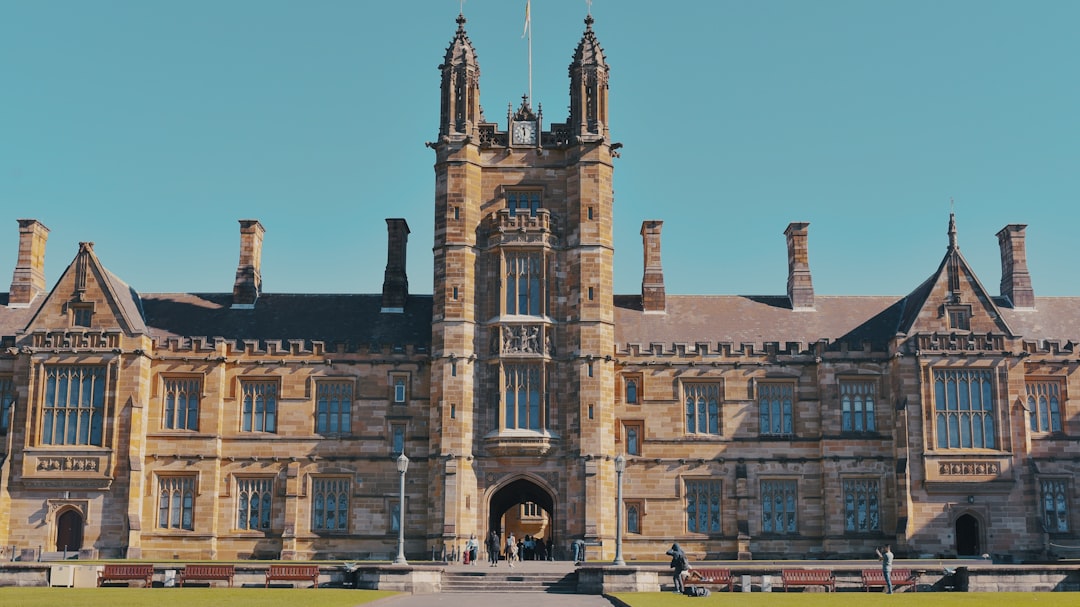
(505, 580)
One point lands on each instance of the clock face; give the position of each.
(524, 133)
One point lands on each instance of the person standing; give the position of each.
(511, 549)
(471, 548)
(679, 563)
(886, 557)
(492, 545)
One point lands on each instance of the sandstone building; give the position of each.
(247, 424)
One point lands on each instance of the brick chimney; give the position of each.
(800, 287)
(1015, 279)
(29, 279)
(395, 288)
(248, 283)
(653, 297)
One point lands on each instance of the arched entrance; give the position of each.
(523, 507)
(69, 530)
(967, 535)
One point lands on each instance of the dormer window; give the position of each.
(82, 315)
(959, 317)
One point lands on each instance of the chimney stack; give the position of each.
(395, 289)
(653, 297)
(1015, 279)
(800, 287)
(248, 283)
(29, 278)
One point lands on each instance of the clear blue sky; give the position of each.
(151, 127)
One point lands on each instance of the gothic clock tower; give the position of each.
(522, 333)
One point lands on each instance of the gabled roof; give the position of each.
(953, 283)
(86, 281)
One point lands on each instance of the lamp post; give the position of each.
(620, 467)
(402, 468)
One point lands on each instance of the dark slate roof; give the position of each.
(855, 319)
(1053, 318)
(13, 320)
(354, 320)
(757, 319)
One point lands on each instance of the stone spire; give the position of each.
(460, 113)
(589, 88)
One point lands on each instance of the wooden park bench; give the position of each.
(711, 576)
(809, 577)
(207, 573)
(126, 573)
(293, 573)
(900, 577)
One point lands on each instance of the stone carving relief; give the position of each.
(522, 339)
(983, 468)
(69, 464)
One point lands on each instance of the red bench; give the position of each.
(900, 577)
(710, 576)
(126, 573)
(293, 573)
(809, 577)
(206, 573)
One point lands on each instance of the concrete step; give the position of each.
(509, 581)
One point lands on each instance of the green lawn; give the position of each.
(855, 599)
(187, 597)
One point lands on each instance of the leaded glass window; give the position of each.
(857, 399)
(176, 502)
(182, 395)
(703, 506)
(1055, 505)
(333, 407)
(779, 501)
(329, 504)
(861, 506)
(73, 410)
(964, 408)
(702, 408)
(259, 406)
(523, 396)
(1044, 405)
(253, 502)
(776, 408)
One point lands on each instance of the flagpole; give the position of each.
(528, 32)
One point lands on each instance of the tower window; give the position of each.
(524, 202)
(524, 284)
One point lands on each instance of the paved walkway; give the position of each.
(497, 599)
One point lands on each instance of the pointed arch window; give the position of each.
(524, 202)
(330, 504)
(176, 502)
(524, 397)
(1044, 398)
(776, 408)
(182, 395)
(524, 283)
(857, 399)
(253, 503)
(702, 408)
(73, 411)
(964, 408)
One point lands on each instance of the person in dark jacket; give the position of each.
(679, 563)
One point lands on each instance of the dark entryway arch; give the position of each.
(69, 530)
(967, 535)
(514, 493)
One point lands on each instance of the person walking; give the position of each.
(511, 549)
(886, 557)
(492, 546)
(471, 548)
